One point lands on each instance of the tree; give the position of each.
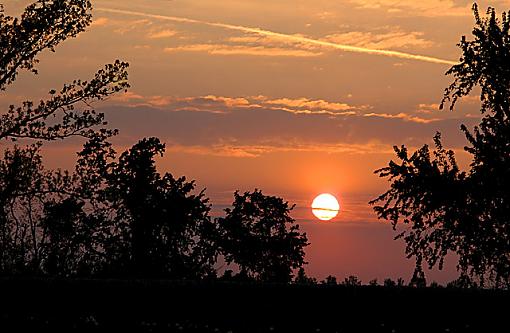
(166, 228)
(389, 283)
(65, 225)
(351, 281)
(44, 226)
(43, 25)
(330, 280)
(111, 216)
(434, 284)
(418, 280)
(448, 210)
(302, 279)
(22, 180)
(259, 235)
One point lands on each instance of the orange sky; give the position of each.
(293, 97)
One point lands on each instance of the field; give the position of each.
(30, 305)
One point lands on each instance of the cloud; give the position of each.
(427, 8)
(230, 102)
(310, 106)
(427, 108)
(403, 116)
(100, 22)
(126, 27)
(274, 41)
(222, 104)
(233, 150)
(288, 37)
(388, 40)
(161, 34)
(142, 47)
(226, 50)
(127, 97)
(257, 125)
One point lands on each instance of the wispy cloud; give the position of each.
(403, 116)
(395, 38)
(222, 104)
(251, 151)
(100, 22)
(318, 104)
(427, 108)
(166, 33)
(224, 49)
(427, 8)
(125, 28)
(289, 37)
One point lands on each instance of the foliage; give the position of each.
(130, 221)
(484, 63)
(351, 281)
(389, 283)
(330, 280)
(434, 284)
(44, 223)
(418, 280)
(21, 180)
(302, 279)
(260, 236)
(44, 25)
(373, 282)
(168, 226)
(452, 211)
(43, 229)
(462, 282)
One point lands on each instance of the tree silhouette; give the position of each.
(351, 281)
(45, 226)
(330, 280)
(42, 26)
(389, 283)
(111, 217)
(44, 223)
(452, 211)
(418, 279)
(260, 236)
(63, 221)
(168, 228)
(302, 279)
(22, 180)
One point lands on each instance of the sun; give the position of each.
(325, 207)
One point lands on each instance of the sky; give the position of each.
(296, 98)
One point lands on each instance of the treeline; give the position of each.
(353, 281)
(116, 215)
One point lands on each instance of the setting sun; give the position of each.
(325, 207)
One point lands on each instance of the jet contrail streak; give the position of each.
(300, 39)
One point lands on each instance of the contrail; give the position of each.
(300, 39)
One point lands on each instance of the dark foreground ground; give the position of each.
(162, 306)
